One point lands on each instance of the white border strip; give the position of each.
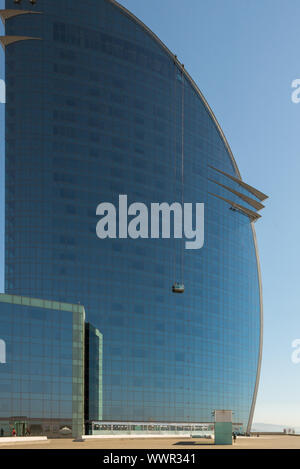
(21, 439)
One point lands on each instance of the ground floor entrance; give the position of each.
(20, 427)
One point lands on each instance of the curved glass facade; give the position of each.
(95, 109)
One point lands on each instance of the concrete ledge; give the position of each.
(22, 439)
(142, 435)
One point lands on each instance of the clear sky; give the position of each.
(244, 56)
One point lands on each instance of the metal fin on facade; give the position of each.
(249, 213)
(7, 40)
(245, 198)
(7, 14)
(260, 195)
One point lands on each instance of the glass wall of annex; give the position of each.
(42, 374)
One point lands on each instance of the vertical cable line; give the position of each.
(175, 153)
(179, 287)
(182, 172)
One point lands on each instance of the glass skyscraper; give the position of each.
(42, 375)
(98, 107)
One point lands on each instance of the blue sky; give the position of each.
(244, 56)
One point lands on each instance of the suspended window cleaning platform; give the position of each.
(178, 288)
